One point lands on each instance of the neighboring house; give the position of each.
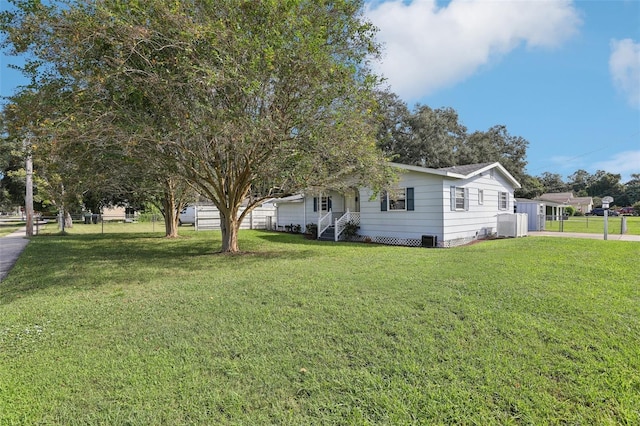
(557, 201)
(432, 207)
(206, 216)
(119, 213)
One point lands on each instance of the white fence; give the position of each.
(512, 225)
(208, 218)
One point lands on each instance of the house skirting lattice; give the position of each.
(411, 242)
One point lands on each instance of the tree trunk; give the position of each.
(170, 215)
(68, 221)
(229, 225)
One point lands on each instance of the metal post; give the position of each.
(605, 205)
(28, 198)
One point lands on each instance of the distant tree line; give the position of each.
(599, 184)
(436, 138)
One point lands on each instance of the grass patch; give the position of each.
(595, 225)
(137, 329)
(7, 227)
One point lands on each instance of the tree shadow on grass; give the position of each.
(57, 262)
(301, 239)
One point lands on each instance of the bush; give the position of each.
(150, 217)
(569, 210)
(293, 228)
(350, 230)
(312, 230)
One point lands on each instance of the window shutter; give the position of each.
(410, 199)
(466, 198)
(383, 201)
(453, 197)
(315, 204)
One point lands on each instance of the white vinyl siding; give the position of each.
(435, 210)
(423, 215)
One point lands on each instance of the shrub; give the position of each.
(312, 230)
(293, 228)
(350, 230)
(569, 210)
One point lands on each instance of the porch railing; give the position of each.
(348, 217)
(324, 223)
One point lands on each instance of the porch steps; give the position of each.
(329, 234)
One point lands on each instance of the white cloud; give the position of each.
(428, 47)
(623, 163)
(624, 65)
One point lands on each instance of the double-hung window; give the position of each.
(459, 198)
(323, 202)
(399, 199)
(503, 200)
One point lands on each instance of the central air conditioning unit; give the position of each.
(430, 241)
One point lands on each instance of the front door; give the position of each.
(352, 201)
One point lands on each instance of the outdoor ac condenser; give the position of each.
(430, 241)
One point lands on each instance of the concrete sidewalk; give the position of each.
(610, 237)
(10, 248)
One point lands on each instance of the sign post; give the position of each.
(605, 206)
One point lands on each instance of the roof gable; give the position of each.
(462, 172)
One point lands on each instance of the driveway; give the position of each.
(10, 248)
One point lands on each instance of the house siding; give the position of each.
(481, 219)
(433, 214)
(301, 212)
(425, 219)
(290, 213)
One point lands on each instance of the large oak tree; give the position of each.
(246, 99)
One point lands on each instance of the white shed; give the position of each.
(535, 211)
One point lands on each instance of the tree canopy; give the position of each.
(246, 100)
(437, 138)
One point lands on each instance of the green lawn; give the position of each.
(8, 226)
(595, 224)
(136, 329)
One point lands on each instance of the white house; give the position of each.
(557, 201)
(431, 207)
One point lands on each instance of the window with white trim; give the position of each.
(503, 200)
(325, 204)
(398, 199)
(459, 198)
(480, 196)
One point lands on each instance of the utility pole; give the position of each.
(28, 198)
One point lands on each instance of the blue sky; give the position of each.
(565, 75)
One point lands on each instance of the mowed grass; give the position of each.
(137, 329)
(595, 225)
(9, 226)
